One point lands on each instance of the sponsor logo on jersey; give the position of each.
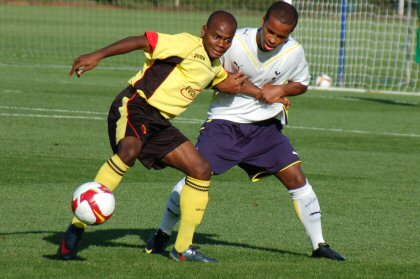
(199, 56)
(238, 67)
(190, 93)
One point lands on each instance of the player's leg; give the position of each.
(307, 208)
(271, 151)
(112, 171)
(217, 144)
(193, 199)
(110, 175)
(173, 210)
(305, 201)
(160, 238)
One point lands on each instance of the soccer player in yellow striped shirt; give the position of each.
(177, 69)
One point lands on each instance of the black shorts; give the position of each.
(131, 115)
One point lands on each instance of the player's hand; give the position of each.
(286, 102)
(232, 84)
(239, 80)
(84, 63)
(271, 94)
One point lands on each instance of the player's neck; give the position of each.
(259, 39)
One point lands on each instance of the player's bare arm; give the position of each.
(276, 93)
(237, 82)
(232, 84)
(251, 89)
(89, 61)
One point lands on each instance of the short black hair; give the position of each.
(226, 16)
(283, 12)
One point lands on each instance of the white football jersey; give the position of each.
(285, 63)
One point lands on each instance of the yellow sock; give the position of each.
(109, 175)
(112, 172)
(194, 199)
(78, 223)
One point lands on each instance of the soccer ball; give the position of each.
(93, 203)
(323, 81)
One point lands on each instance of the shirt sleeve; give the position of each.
(220, 76)
(165, 45)
(301, 72)
(152, 37)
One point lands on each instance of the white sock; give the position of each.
(307, 209)
(173, 211)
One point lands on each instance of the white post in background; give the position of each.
(400, 8)
(409, 65)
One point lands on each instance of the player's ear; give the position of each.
(203, 30)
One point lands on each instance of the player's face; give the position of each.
(217, 39)
(273, 33)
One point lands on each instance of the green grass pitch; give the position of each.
(360, 151)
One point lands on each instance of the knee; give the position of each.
(201, 170)
(292, 179)
(297, 181)
(129, 151)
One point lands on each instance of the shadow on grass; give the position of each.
(384, 101)
(109, 238)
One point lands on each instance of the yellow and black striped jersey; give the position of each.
(177, 70)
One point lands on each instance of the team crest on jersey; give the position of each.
(143, 129)
(190, 93)
(276, 75)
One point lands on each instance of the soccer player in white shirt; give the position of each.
(245, 129)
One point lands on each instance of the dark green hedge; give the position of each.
(246, 5)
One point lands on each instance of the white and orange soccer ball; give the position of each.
(93, 203)
(323, 81)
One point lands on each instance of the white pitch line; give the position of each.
(177, 120)
(355, 131)
(68, 67)
(52, 116)
(52, 110)
(354, 99)
(10, 91)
